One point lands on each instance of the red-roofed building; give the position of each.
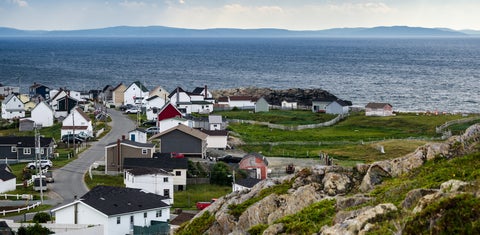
(255, 164)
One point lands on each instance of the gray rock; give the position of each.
(413, 196)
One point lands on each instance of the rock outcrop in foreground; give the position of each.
(349, 187)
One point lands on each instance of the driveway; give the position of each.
(69, 179)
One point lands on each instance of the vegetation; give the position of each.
(279, 189)
(33, 230)
(199, 192)
(41, 217)
(257, 229)
(221, 174)
(198, 225)
(284, 117)
(310, 219)
(110, 180)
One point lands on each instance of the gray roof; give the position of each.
(377, 105)
(5, 175)
(148, 171)
(248, 182)
(115, 200)
(215, 119)
(158, 161)
(24, 141)
(133, 143)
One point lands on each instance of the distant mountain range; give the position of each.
(160, 31)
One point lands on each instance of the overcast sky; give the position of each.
(201, 14)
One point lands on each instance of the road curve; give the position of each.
(69, 179)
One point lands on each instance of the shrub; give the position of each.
(41, 217)
(197, 226)
(257, 229)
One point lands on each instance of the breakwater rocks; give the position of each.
(304, 97)
(355, 210)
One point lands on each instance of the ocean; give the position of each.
(412, 74)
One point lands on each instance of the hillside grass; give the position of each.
(199, 193)
(284, 117)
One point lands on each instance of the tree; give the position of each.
(36, 229)
(221, 174)
(41, 217)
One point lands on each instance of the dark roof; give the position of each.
(344, 102)
(325, 99)
(115, 200)
(107, 87)
(377, 105)
(248, 182)
(143, 130)
(140, 85)
(198, 90)
(153, 97)
(24, 141)
(215, 132)
(119, 85)
(5, 175)
(129, 142)
(240, 97)
(36, 85)
(223, 99)
(158, 161)
(175, 91)
(147, 171)
(182, 218)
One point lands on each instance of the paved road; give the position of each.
(69, 179)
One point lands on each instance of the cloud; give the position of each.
(181, 1)
(20, 3)
(368, 7)
(132, 4)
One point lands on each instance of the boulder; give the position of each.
(336, 183)
(453, 186)
(374, 176)
(414, 195)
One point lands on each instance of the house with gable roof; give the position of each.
(12, 107)
(118, 94)
(182, 139)
(289, 104)
(179, 96)
(160, 92)
(153, 106)
(261, 105)
(7, 179)
(176, 166)
(135, 94)
(168, 111)
(215, 122)
(216, 139)
(38, 89)
(7, 90)
(255, 164)
(22, 148)
(166, 124)
(319, 105)
(116, 153)
(77, 121)
(118, 210)
(43, 114)
(149, 179)
(338, 107)
(379, 109)
(138, 135)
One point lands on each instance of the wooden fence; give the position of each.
(292, 128)
(441, 128)
(18, 210)
(17, 196)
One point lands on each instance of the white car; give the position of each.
(44, 164)
(132, 110)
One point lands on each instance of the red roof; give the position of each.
(168, 111)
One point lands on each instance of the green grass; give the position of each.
(285, 117)
(199, 192)
(198, 225)
(43, 207)
(109, 180)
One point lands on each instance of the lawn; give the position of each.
(199, 192)
(285, 117)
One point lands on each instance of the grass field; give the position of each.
(199, 192)
(285, 117)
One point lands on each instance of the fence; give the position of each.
(453, 122)
(17, 196)
(292, 128)
(198, 181)
(21, 209)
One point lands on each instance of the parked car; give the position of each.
(49, 177)
(229, 159)
(84, 136)
(125, 107)
(44, 164)
(149, 123)
(132, 110)
(203, 205)
(72, 138)
(152, 130)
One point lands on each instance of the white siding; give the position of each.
(79, 121)
(171, 123)
(42, 114)
(216, 142)
(8, 185)
(132, 91)
(138, 136)
(153, 183)
(183, 97)
(154, 103)
(13, 109)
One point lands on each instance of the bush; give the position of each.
(41, 217)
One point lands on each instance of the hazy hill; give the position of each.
(160, 31)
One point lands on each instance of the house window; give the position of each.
(14, 149)
(27, 151)
(144, 151)
(118, 220)
(178, 173)
(165, 179)
(42, 151)
(131, 219)
(166, 192)
(145, 215)
(159, 213)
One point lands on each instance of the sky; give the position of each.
(247, 14)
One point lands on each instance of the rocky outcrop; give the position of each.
(322, 182)
(275, 97)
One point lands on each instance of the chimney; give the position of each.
(118, 154)
(123, 137)
(206, 94)
(178, 96)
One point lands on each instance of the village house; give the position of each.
(119, 210)
(160, 92)
(7, 179)
(261, 105)
(77, 121)
(179, 96)
(138, 135)
(38, 89)
(338, 107)
(216, 139)
(244, 184)
(153, 106)
(320, 105)
(169, 123)
(118, 94)
(7, 90)
(379, 109)
(105, 95)
(176, 166)
(22, 148)
(117, 152)
(255, 164)
(215, 122)
(12, 108)
(153, 180)
(204, 92)
(43, 115)
(135, 94)
(182, 139)
(241, 102)
(168, 111)
(289, 104)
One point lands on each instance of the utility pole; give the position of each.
(38, 162)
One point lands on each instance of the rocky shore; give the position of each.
(304, 97)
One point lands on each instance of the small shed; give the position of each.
(261, 105)
(289, 104)
(138, 135)
(26, 125)
(255, 164)
(378, 109)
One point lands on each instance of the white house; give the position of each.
(43, 114)
(199, 107)
(7, 179)
(77, 121)
(244, 184)
(320, 105)
(153, 180)
(338, 107)
(261, 105)
(138, 135)
(166, 124)
(179, 96)
(153, 106)
(12, 107)
(135, 94)
(379, 109)
(117, 209)
(56, 95)
(245, 102)
(216, 139)
(215, 122)
(287, 104)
